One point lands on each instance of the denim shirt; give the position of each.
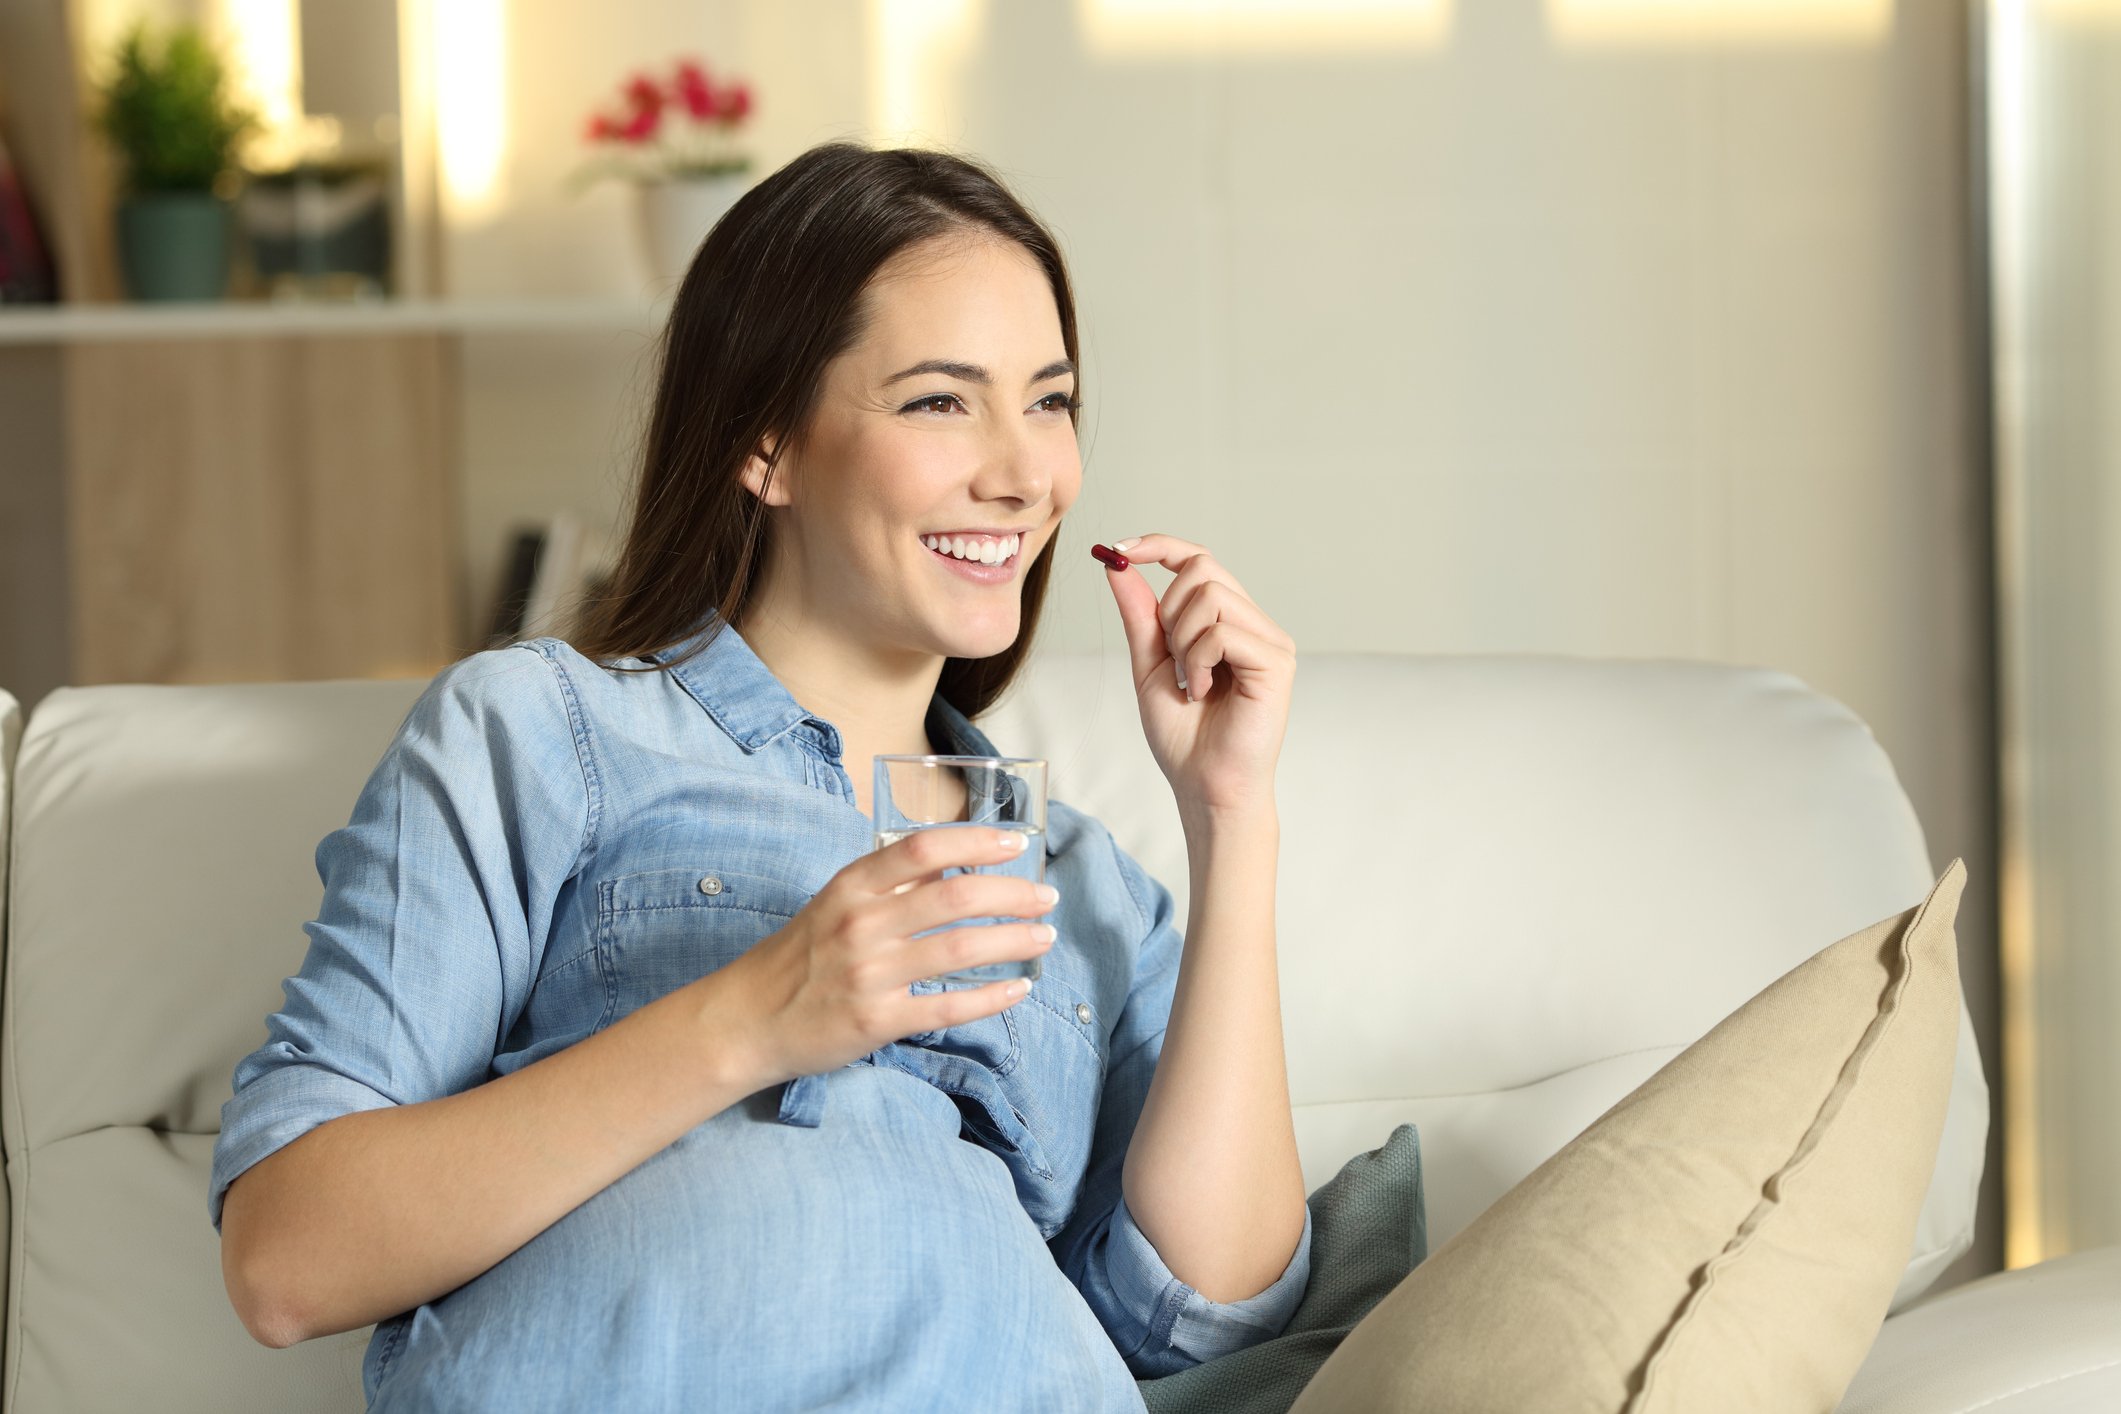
(547, 845)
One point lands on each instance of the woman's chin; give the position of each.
(981, 635)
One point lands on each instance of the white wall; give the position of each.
(1651, 344)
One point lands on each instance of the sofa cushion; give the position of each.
(1727, 1237)
(120, 1294)
(164, 844)
(2044, 1339)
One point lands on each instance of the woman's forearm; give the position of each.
(1211, 1175)
(376, 1212)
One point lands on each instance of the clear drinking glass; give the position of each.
(961, 792)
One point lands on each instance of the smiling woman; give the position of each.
(612, 1078)
(920, 305)
(903, 454)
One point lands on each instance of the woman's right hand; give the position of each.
(831, 986)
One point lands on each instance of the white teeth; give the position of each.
(975, 549)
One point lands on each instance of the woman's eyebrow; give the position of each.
(973, 373)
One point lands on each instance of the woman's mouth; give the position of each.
(983, 559)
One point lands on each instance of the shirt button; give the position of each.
(1082, 1012)
(710, 885)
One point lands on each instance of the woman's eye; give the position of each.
(942, 402)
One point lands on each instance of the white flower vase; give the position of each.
(676, 215)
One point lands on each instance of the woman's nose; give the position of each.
(1016, 468)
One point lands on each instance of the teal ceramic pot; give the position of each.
(174, 245)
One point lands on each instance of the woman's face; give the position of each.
(979, 440)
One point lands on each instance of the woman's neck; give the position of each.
(878, 701)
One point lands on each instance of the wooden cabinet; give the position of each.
(242, 493)
(226, 509)
(246, 509)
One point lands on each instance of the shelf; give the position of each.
(74, 323)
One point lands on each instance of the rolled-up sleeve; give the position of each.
(438, 895)
(1159, 1323)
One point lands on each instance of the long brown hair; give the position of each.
(772, 297)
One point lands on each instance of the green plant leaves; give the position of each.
(168, 112)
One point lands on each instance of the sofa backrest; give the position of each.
(1513, 886)
(164, 865)
(1510, 888)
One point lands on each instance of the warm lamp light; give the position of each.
(2084, 12)
(1119, 28)
(1695, 21)
(915, 47)
(264, 52)
(471, 105)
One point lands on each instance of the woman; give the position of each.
(611, 1079)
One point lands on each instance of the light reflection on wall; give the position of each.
(1123, 28)
(2053, 187)
(1591, 22)
(470, 65)
(915, 50)
(2085, 12)
(2019, 1091)
(265, 59)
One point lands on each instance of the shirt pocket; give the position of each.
(663, 928)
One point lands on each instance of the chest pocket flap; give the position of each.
(663, 928)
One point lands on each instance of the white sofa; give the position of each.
(1511, 888)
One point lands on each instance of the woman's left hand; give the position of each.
(1219, 745)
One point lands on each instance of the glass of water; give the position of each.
(966, 792)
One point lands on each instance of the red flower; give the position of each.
(646, 96)
(646, 101)
(696, 92)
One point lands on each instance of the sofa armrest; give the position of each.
(2040, 1340)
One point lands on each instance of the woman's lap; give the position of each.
(875, 1261)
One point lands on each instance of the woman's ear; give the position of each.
(769, 484)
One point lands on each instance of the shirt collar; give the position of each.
(747, 701)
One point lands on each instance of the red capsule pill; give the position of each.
(1110, 557)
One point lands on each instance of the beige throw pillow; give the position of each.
(1726, 1238)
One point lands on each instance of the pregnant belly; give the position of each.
(875, 1261)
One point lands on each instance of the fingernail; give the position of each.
(1018, 987)
(1045, 932)
(1181, 678)
(1048, 894)
(1011, 841)
(1127, 544)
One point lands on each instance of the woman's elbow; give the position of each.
(250, 1290)
(266, 1322)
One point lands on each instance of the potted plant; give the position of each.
(167, 111)
(677, 142)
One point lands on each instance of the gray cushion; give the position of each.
(1369, 1228)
